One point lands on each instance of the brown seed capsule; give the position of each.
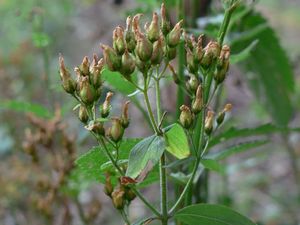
(96, 127)
(128, 65)
(95, 73)
(125, 117)
(208, 126)
(129, 36)
(83, 114)
(68, 83)
(84, 67)
(211, 52)
(192, 83)
(174, 74)
(153, 29)
(135, 23)
(142, 66)
(170, 52)
(87, 92)
(129, 194)
(118, 40)
(173, 38)
(198, 52)
(222, 65)
(143, 48)
(165, 24)
(118, 198)
(116, 130)
(198, 102)
(105, 109)
(186, 117)
(158, 52)
(221, 114)
(108, 188)
(192, 66)
(112, 60)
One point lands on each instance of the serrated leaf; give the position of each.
(236, 149)
(177, 142)
(26, 107)
(145, 155)
(268, 70)
(213, 165)
(211, 214)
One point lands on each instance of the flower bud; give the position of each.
(153, 29)
(83, 114)
(174, 74)
(174, 36)
(192, 83)
(108, 188)
(84, 67)
(118, 198)
(96, 127)
(118, 40)
(125, 117)
(112, 60)
(128, 65)
(221, 114)
(87, 92)
(129, 194)
(68, 83)
(198, 102)
(165, 24)
(143, 48)
(208, 126)
(116, 130)
(186, 117)
(129, 36)
(170, 52)
(95, 75)
(105, 109)
(192, 66)
(158, 52)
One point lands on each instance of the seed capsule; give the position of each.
(118, 40)
(221, 114)
(96, 127)
(118, 198)
(174, 74)
(129, 194)
(108, 188)
(192, 83)
(68, 83)
(106, 105)
(116, 130)
(112, 60)
(192, 66)
(143, 48)
(198, 51)
(129, 36)
(170, 52)
(125, 117)
(222, 65)
(212, 51)
(83, 114)
(208, 126)
(174, 35)
(153, 29)
(198, 102)
(158, 52)
(165, 24)
(186, 117)
(128, 64)
(142, 66)
(95, 74)
(87, 92)
(84, 67)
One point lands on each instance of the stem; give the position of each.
(150, 112)
(125, 217)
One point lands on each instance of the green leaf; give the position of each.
(210, 214)
(213, 165)
(145, 155)
(180, 177)
(243, 55)
(236, 149)
(177, 142)
(268, 70)
(118, 83)
(26, 107)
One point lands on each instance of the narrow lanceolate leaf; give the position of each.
(268, 70)
(26, 107)
(177, 142)
(145, 155)
(213, 165)
(210, 214)
(243, 55)
(236, 149)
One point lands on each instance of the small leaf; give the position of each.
(26, 107)
(213, 165)
(177, 143)
(211, 214)
(145, 155)
(243, 55)
(236, 149)
(180, 177)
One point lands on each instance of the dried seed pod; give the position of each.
(153, 29)
(87, 92)
(118, 40)
(212, 51)
(198, 51)
(96, 127)
(173, 37)
(143, 48)
(170, 52)
(129, 36)
(84, 66)
(135, 23)
(112, 60)
(108, 188)
(198, 102)
(83, 114)
(222, 65)
(129, 194)
(165, 24)
(95, 73)
(105, 109)
(221, 115)
(125, 117)
(158, 52)
(142, 66)
(128, 64)
(192, 65)
(68, 83)
(208, 126)
(174, 74)
(118, 198)
(192, 83)
(186, 117)
(117, 130)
